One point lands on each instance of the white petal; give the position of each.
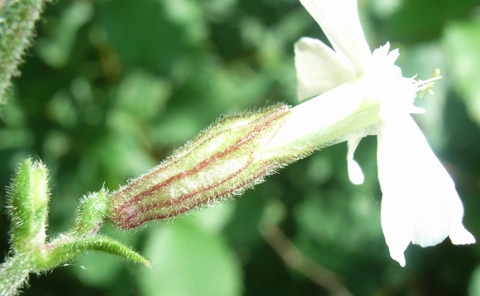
(319, 68)
(397, 225)
(461, 236)
(420, 203)
(313, 120)
(340, 23)
(354, 170)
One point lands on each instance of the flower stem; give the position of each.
(13, 274)
(17, 23)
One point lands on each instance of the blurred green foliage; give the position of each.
(110, 88)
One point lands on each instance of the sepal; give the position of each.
(224, 160)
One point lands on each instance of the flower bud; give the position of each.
(28, 205)
(224, 160)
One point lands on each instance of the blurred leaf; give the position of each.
(474, 286)
(215, 218)
(463, 45)
(190, 15)
(121, 157)
(423, 20)
(55, 51)
(142, 95)
(141, 34)
(186, 260)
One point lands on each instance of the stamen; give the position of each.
(427, 85)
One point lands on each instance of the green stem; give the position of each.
(14, 271)
(27, 207)
(17, 23)
(14, 274)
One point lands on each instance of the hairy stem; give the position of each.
(17, 23)
(14, 274)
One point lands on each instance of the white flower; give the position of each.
(420, 203)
